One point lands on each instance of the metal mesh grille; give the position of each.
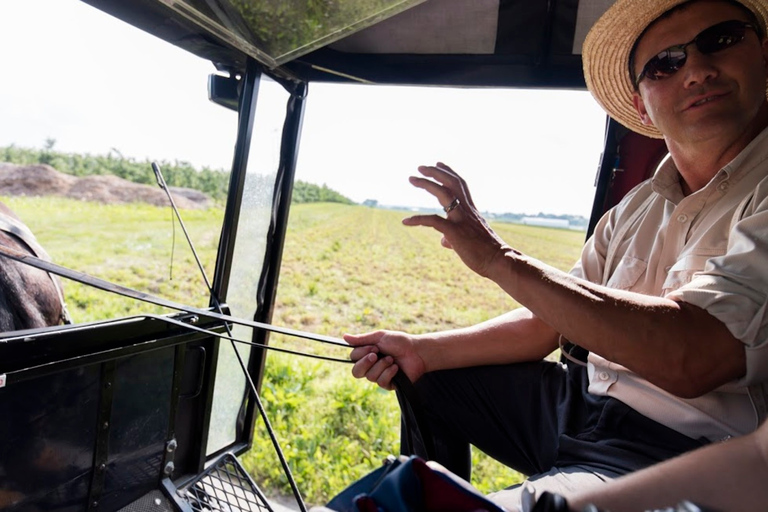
(153, 501)
(225, 487)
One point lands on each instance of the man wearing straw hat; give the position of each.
(670, 296)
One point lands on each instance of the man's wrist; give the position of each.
(427, 348)
(502, 266)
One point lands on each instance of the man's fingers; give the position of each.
(385, 379)
(450, 180)
(445, 177)
(448, 197)
(374, 372)
(360, 352)
(431, 221)
(364, 365)
(443, 194)
(369, 338)
(375, 369)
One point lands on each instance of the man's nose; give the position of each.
(699, 67)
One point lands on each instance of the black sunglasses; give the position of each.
(711, 40)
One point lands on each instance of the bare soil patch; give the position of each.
(44, 180)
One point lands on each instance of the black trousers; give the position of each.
(533, 417)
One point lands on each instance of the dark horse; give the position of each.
(29, 297)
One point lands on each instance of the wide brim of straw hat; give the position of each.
(606, 54)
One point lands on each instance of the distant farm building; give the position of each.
(545, 222)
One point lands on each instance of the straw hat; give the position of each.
(606, 54)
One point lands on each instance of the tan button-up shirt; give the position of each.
(709, 249)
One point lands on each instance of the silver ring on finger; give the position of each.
(454, 204)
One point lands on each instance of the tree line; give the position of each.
(304, 192)
(213, 182)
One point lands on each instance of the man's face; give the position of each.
(711, 96)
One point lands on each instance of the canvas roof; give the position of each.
(517, 43)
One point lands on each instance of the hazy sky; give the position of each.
(94, 83)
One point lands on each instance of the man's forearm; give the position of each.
(516, 336)
(676, 346)
(727, 476)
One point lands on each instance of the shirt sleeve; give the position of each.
(591, 264)
(733, 287)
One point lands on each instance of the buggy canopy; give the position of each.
(510, 43)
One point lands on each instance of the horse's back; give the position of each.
(29, 297)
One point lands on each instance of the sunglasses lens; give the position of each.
(720, 37)
(664, 64)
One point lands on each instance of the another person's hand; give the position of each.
(464, 230)
(379, 355)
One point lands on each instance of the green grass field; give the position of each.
(125, 244)
(345, 269)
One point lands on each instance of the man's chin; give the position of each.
(715, 127)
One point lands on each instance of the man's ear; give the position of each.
(642, 112)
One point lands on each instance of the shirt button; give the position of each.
(603, 376)
(723, 186)
(682, 218)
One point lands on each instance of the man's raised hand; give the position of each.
(463, 228)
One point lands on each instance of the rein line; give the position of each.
(107, 286)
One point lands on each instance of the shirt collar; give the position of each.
(666, 180)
